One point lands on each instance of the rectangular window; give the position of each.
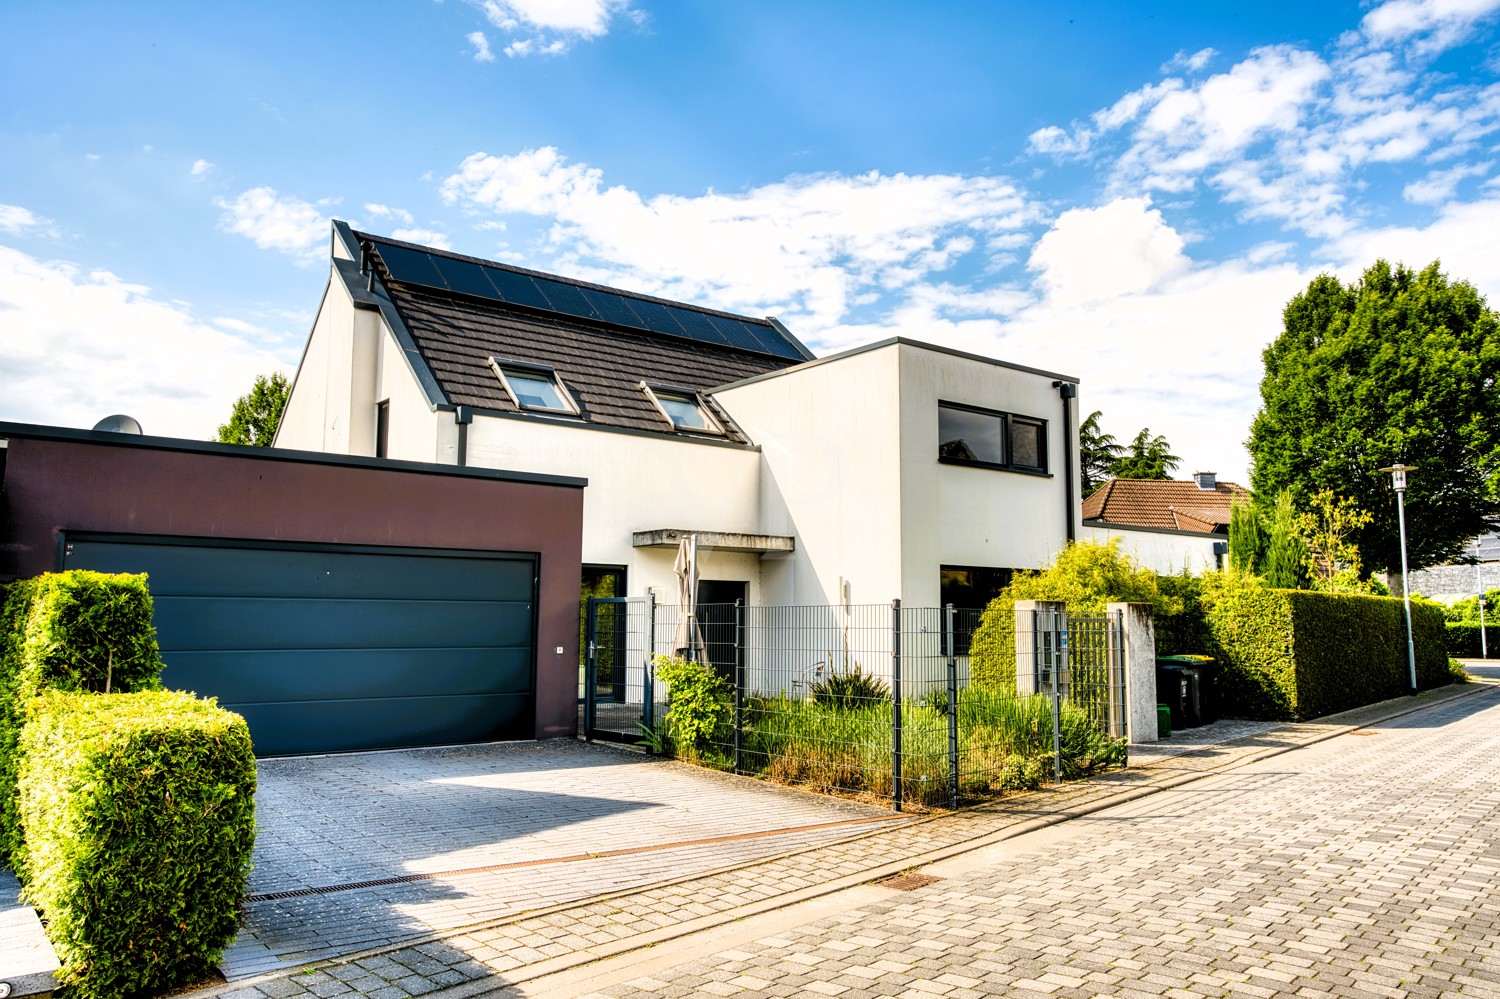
(534, 387)
(968, 435)
(383, 429)
(969, 588)
(684, 408)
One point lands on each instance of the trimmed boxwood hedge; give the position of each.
(74, 630)
(1463, 640)
(1287, 654)
(138, 819)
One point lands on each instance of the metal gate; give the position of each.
(616, 696)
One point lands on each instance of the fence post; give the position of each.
(739, 685)
(1059, 659)
(952, 707)
(648, 681)
(590, 664)
(1138, 663)
(896, 705)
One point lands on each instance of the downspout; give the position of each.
(463, 416)
(1068, 391)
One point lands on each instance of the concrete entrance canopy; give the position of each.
(724, 541)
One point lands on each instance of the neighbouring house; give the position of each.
(1449, 583)
(896, 470)
(1165, 525)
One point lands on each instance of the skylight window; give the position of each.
(534, 388)
(684, 409)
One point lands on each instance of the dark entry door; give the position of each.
(716, 616)
(327, 649)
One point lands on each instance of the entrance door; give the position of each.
(716, 616)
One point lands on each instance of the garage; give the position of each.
(328, 648)
(339, 603)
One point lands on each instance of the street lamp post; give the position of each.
(1484, 645)
(1398, 483)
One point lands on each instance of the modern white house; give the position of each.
(897, 470)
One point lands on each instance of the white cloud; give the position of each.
(1094, 254)
(14, 218)
(808, 246)
(278, 222)
(386, 212)
(1192, 62)
(200, 167)
(481, 45)
(1439, 185)
(83, 345)
(549, 27)
(427, 237)
(1431, 25)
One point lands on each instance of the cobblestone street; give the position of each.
(1365, 865)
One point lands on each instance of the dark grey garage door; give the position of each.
(325, 649)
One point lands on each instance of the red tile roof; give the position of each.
(1178, 506)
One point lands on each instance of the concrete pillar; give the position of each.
(1139, 639)
(1039, 626)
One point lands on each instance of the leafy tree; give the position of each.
(1331, 558)
(257, 415)
(1247, 537)
(1286, 558)
(1097, 453)
(1146, 457)
(1400, 366)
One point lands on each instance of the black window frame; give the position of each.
(1008, 421)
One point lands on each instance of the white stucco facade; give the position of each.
(843, 459)
(1164, 552)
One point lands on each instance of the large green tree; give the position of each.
(257, 414)
(1147, 456)
(1400, 366)
(1097, 453)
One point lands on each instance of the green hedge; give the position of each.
(1303, 654)
(75, 630)
(1463, 640)
(138, 819)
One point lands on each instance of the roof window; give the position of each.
(533, 387)
(684, 408)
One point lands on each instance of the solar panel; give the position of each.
(517, 289)
(411, 266)
(464, 277)
(505, 285)
(612, 308)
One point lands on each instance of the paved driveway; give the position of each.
(369, 849)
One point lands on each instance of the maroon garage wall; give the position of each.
(54, 480)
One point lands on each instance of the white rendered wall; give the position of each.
(830, 465)
(1167, 554)
(961, 515)
(316, 416)
(638, 483)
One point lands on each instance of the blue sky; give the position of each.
(1124, 192)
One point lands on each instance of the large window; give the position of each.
(972, 587)
(534, 387)
(968, 435)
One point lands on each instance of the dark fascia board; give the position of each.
(30, 431)
(1109, 525)
(573, 422)
(905, 342)
(798, 344)
(379, 300)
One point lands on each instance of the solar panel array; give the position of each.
(534, 292)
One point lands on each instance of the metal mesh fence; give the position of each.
(866, 699)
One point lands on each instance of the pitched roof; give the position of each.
(1171, 505)
(462, 311)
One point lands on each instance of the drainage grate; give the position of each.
(908, 882)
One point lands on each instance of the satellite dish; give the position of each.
(120, 424)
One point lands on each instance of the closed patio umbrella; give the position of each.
(687, 642)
